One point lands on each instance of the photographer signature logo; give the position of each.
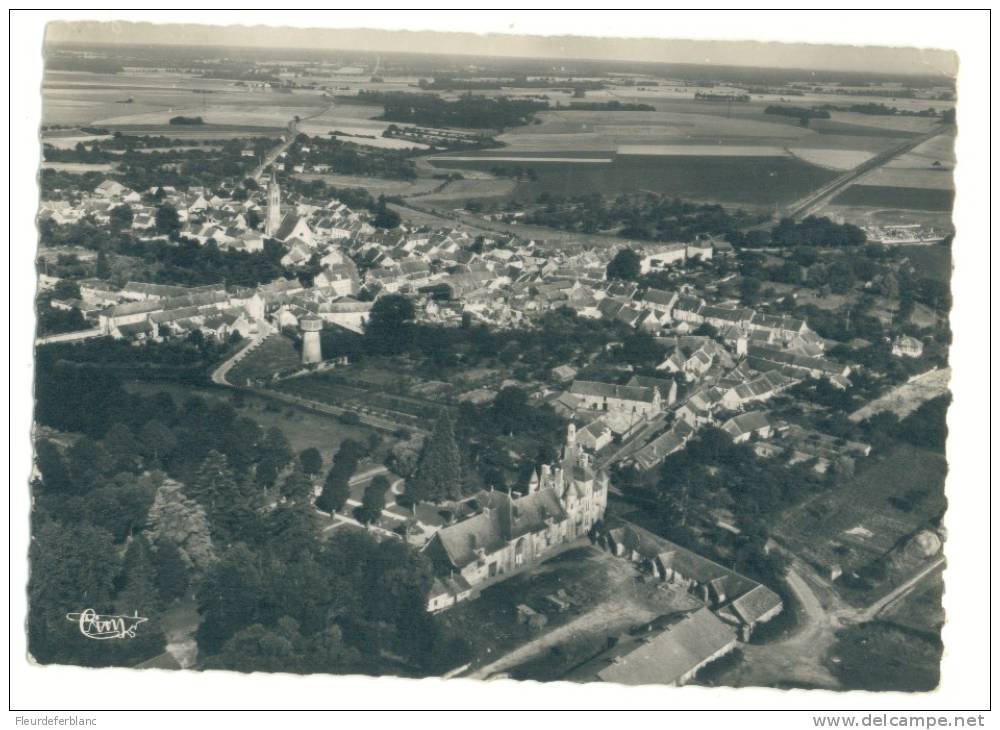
(95, 626)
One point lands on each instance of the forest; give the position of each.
(142, 502)
(472, 112)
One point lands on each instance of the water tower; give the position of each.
(312, 350)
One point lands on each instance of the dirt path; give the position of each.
(798, 658)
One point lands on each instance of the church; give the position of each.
(289, 228)
(502, 533)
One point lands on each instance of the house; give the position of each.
(667, 443)
(753, 423)
(563, 373)
(505, 533)
(110, 189)
(671, 657)
(687, 308)
(659, 301)
(724, 317)
(768, 358)
(661, 256)
(906, 346)
(758, 389)
(636, 400)
(594, 436)
(666, 386)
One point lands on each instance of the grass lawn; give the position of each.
(930, 261)
(302, 428)
(879, 656)
(276, 353)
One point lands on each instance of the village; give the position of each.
(716, 364)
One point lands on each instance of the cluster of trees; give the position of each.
(926, 427)
(877, 109)
(140, 170)
(812, 231)
(800, 112)
(181, 261)
(472, 112)
(555, 338)
(186, 120)
(712, 472)
(348, 158)
(185, 360)
(608, 106)
(646, 217)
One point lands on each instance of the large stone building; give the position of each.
(506, 532)
(634, 399)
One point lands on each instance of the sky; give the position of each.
(725, 53)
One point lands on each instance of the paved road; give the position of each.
(70, 336)
(820, 197)
(264, 331)
(293, 130)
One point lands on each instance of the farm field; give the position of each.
(922, 609)
(742, 179)
(375, 186)
(853, 524)
(91, 99)
(460, 190)
(932, 261)
(902, 198)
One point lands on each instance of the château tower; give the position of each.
(273, 207)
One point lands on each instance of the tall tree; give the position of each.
(213, 484)
(389, 326)
(373, 501)
(229, 598)
(297, 487)
(172, 573)
(336, 489)
(624, 265)
(276, 454)
(120, 217)
(438, 475)
(311, 460)
(157, 440)
(55, 473)
(168, 222)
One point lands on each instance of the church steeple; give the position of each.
(273, 207)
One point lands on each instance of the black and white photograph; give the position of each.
(508, 357)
